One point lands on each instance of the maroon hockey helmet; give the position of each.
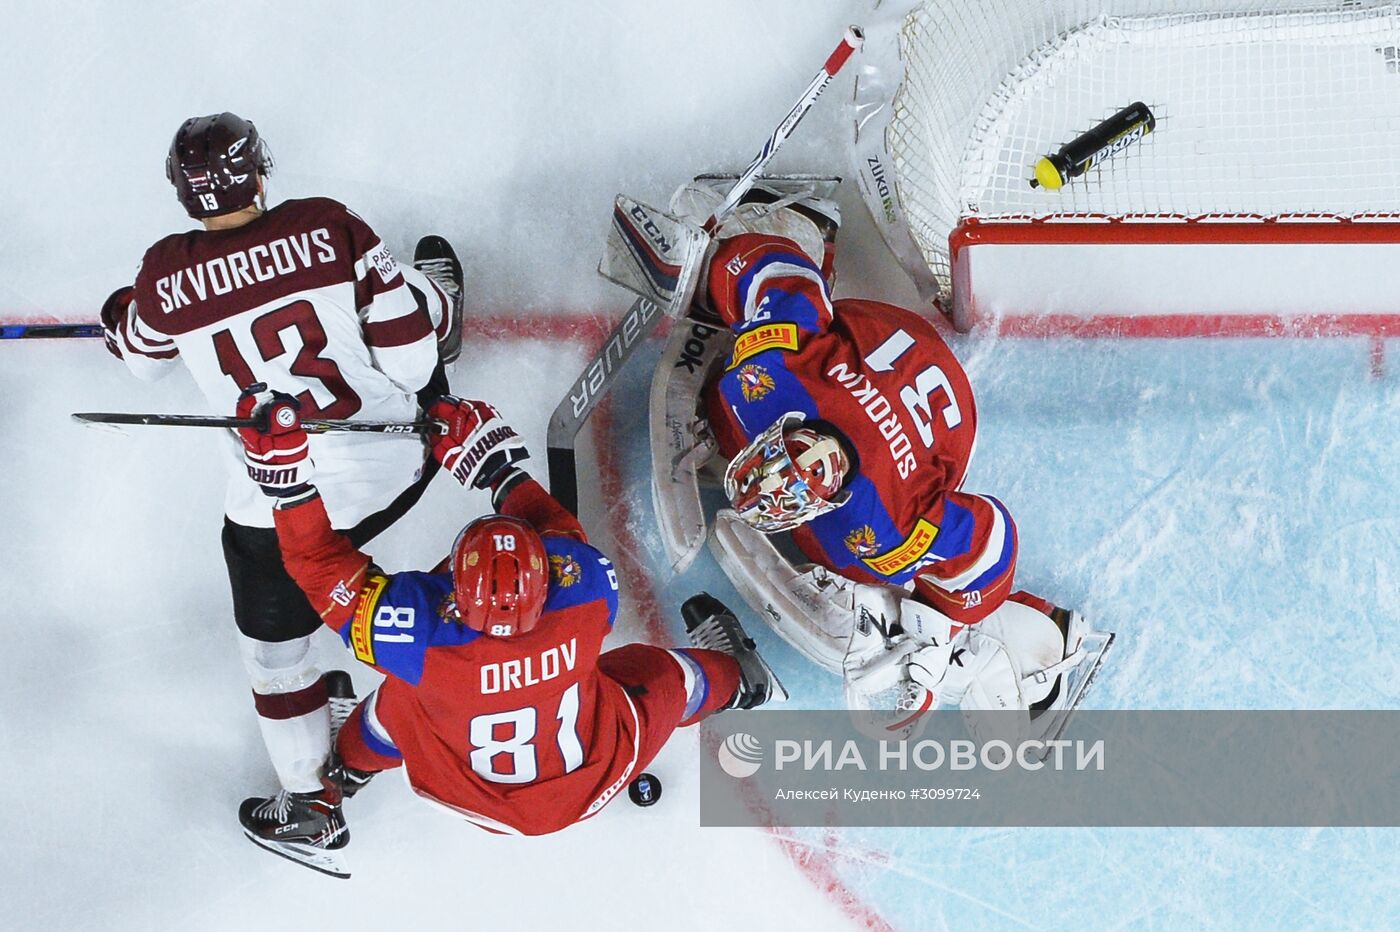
(214, 164)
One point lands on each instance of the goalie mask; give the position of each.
(500, 576)
(787, 476)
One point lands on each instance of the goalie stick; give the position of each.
(311, 425)
(642, 317)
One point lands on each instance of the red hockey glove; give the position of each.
(114, 311)
(479, 447)
(275, 449)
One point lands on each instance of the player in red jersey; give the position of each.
(850, 424)
(499, 699)
(306, 296)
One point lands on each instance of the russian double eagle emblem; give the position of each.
(755, 382)
(861, 541)
(565, 570)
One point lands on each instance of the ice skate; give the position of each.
(435, 258)
(308, 828)
(712, 626)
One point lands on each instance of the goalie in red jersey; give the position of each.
(499, 699)
(847, 426)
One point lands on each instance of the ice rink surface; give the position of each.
(1227, 507)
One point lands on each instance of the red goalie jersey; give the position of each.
(882, 379)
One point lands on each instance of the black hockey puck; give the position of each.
(645, 790)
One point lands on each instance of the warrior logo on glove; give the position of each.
(477, 446)
(275, 448)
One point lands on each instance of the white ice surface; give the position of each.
(1228, 508)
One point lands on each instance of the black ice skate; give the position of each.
(340, 690)
(711, 626)
(304, 827)
(435, 258)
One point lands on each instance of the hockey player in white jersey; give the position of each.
(306, 297)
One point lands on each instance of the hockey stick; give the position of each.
(48, 331)
(311, 425)
(642, 317)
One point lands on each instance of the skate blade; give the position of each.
(327, 861)
(1055, 721)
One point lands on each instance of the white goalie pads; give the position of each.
(679, 436)
(654, 254)
(680, 441)
(807, 606)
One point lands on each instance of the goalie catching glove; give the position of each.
(275, 447)
(478, 447)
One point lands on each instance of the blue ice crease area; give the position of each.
(1227, 507)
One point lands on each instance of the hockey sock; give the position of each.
(711, 680)
(363, 743)
(293, 709)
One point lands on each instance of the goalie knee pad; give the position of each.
(1033, 641)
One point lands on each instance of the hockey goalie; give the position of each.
(840, 432)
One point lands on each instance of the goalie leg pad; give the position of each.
(1033, 641)
(808, 607)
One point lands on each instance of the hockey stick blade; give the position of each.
(564, 425)
(311, 425)
(583, 396)
(48, 331)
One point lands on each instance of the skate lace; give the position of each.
(715, 633)
(340, 713)
(440, 271)
(275, 809)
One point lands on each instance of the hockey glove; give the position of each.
(275, 449)
(478, 448)
(114, 311)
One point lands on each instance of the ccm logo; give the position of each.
(653, 232)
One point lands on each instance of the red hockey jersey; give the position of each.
(521, 735)
(886, 382)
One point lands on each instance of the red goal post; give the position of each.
(1265, 202)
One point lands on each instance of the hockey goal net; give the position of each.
(1266, 199)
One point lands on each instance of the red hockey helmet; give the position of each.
(214, 164)
(500, 575)
(788, 475)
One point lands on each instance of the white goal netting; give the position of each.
(1264, 110)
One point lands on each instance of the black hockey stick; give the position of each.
(643, 316)
(311, 425)
(48, 331)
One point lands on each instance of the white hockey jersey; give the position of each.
(309, 300)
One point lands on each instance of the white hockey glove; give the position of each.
(479, 447)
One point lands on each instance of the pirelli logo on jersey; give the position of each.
(915, 546)
(362, 626)
(769, 336)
